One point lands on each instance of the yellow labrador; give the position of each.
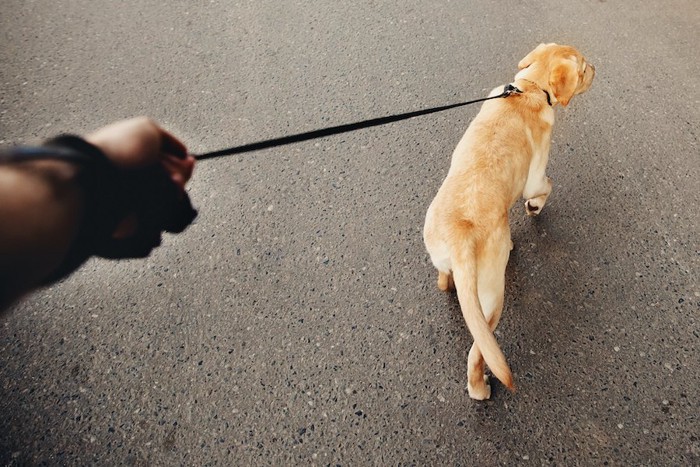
(502, 155)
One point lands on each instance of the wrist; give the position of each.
(100, 183)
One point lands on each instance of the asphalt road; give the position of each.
(298, 321)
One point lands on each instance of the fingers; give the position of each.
(126, 228)
(175, 158)
(171, 145)
(180, 170)
(141, 142)
(156, 167)
(152, 204)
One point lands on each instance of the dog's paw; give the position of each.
(532, 207)
(481, 392)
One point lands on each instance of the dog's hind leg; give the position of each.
(477, 382)
(439, 252)
(492, 262)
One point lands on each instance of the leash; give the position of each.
(508, 90)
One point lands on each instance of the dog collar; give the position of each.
(549, 100)
(511, 89)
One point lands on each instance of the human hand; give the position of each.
(155, 167)
(139, 142)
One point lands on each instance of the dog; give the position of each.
(502, 155)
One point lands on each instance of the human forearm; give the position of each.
(40, 212)
(111, 194)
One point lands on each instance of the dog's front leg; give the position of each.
(536, 196)
(538, 185)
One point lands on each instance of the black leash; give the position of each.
(334, 130)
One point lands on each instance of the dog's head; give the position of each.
(558, 69)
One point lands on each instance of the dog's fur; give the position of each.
(502, 155)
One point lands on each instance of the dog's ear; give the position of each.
(563, 80)
(530, 58)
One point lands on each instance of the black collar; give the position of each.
(512, 89)
(549, 100)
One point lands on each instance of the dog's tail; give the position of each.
(465, 278)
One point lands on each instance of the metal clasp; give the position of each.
(510, 89)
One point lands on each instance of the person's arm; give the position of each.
(40, 210)
(54, 213)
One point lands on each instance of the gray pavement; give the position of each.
(298, 322)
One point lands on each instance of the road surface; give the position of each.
(298, 321)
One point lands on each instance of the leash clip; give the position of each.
(509, 90)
